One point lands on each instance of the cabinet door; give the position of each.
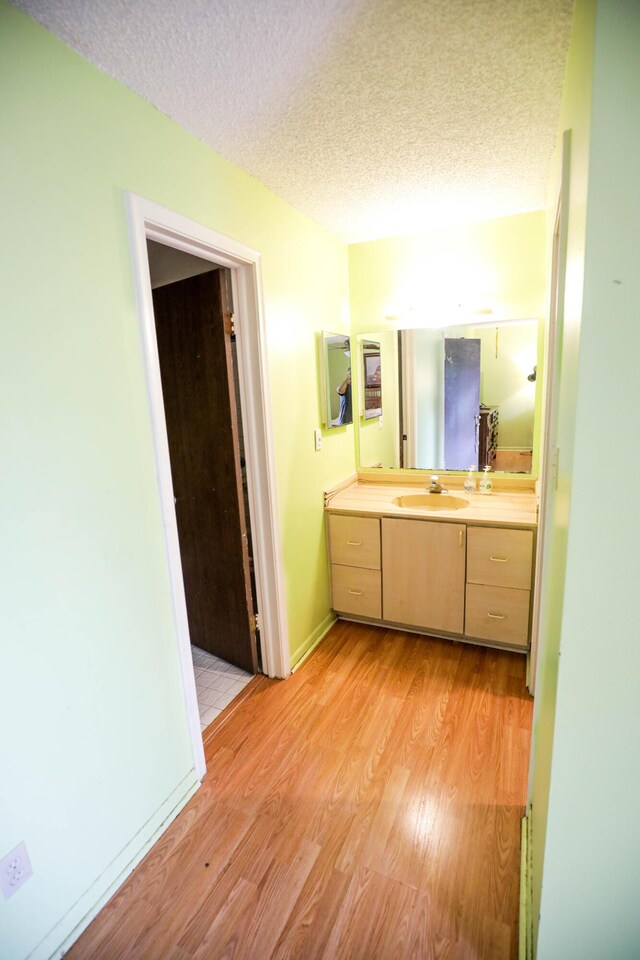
(423, 573)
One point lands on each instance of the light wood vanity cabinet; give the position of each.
(499, 565)
(354, 549)
(423, 564)
(434, 575)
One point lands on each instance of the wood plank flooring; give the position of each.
(368, 807)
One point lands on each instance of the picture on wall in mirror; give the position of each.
(336, 349)
(372, 372)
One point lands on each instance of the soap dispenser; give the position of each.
(486, 483)
(470, 481)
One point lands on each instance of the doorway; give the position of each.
(461, 402)
(149, 221)
(194, 329)
(193, 308)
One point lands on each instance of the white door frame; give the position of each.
(549, 439)
(148, 220)
(409, 417)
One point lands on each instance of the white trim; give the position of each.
(409, 408)
(548, 437)
(149, 220)
(308, 646)
(525, 926)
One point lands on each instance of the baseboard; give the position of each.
(301, 653)
(525, 946)
(438, 634)
(69, 928)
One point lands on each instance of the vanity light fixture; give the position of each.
(436, 317)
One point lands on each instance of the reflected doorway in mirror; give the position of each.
(372, 374)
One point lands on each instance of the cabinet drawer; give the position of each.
(355, 541)
(357, 590)
(497, 613)
(501, 558)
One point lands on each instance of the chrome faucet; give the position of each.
(435, 486)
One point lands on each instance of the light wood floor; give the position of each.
(368, 807)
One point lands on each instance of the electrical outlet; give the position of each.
(379, 423)
(317, 434)
(15, 869)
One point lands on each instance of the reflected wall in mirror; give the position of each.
(465, 397)
(337, 377)
(372, 378)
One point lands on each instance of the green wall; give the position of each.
(95, 737)
(591, 872)
(504, 380)
(498, 264)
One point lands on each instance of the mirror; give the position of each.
(371, 378)
(457, 397)
(337, 379)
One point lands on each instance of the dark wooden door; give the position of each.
(193, 326)
(461, 403)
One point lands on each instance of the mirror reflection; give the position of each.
(337, 365)
(372, 378)
(463, 397)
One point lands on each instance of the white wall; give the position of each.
(590, 905)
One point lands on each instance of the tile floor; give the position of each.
(217, 683)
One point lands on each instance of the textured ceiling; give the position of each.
(374, 117)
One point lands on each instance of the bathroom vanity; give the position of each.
(459, 565)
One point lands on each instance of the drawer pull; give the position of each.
(460, 538)
(497, 616)
(499, 559)
(357, 593)
(354, 543)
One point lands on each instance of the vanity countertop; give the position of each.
(499, 508)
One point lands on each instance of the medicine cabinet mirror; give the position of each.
(336, 353)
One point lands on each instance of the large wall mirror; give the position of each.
(458, 397)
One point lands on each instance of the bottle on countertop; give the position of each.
(470, 481)
(486, 483)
